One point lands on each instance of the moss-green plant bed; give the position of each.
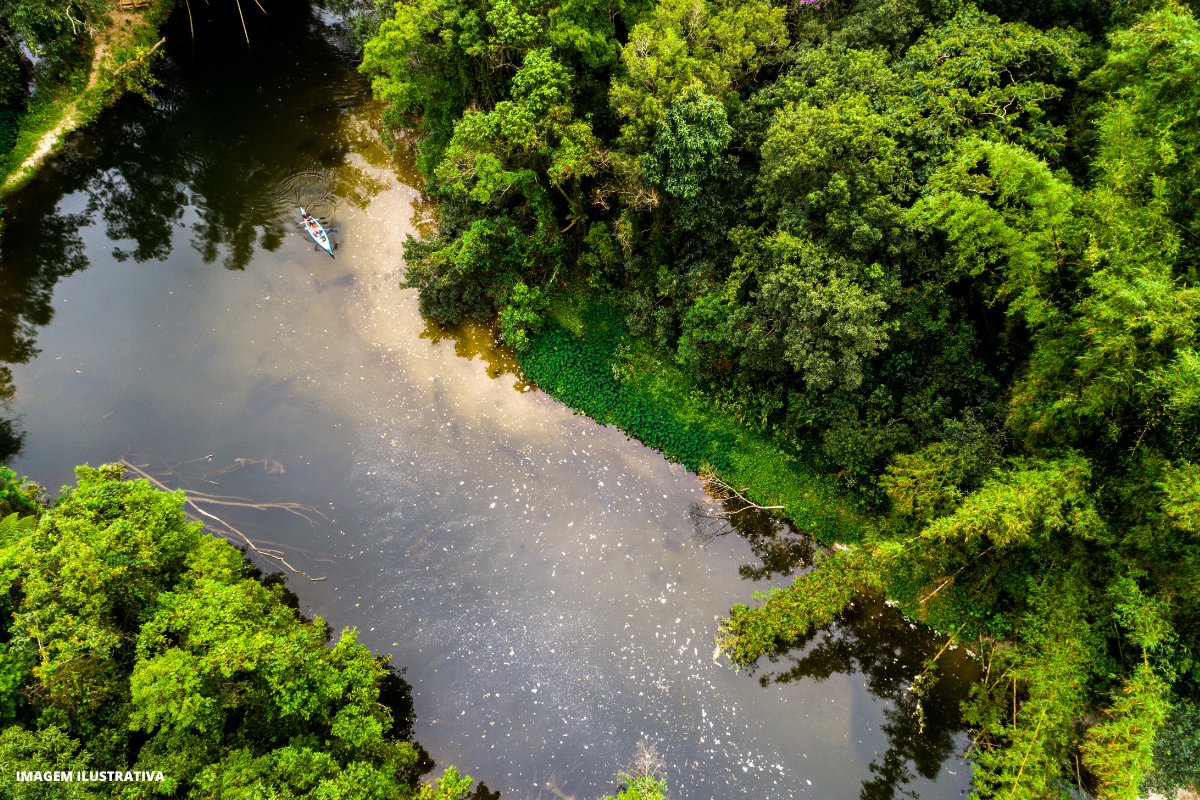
(591, 367)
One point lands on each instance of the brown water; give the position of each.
(547, 582)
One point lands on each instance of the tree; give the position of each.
(977, 73)
(809, 310)
(132, 631)
(681, 43)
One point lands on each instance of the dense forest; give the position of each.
(134, 640)
(943, 251)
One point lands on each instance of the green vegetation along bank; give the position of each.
(943, 254)
(61, 64)
(133, 641)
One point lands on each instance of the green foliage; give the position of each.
(18, 495)
(522, 316)
(135, 639)
(1026, 506)
(943, 251)
(691, 136)
(1001, 210)
(1025, 754)
(977, 73)
(1119, 751)
(1150, 82)
(831, 170)
(52, 32)
(10, 84)
(813, 311)
(933, 482)
(715, 45)
(787, 616)
(8, 131)
(1181, 485)
(1177, 750)
(84, 63)
(643, 787)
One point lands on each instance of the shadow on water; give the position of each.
(227, 148)
(922, 719)
(26, 291)
(473, 339)
(780, 549)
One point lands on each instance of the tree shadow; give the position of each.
(922, 719)
(781, 550)
(36, 255)
(474, 339)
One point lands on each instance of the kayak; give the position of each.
(317, 232)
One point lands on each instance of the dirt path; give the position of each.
(119, 31)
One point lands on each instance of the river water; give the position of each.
(551, 587)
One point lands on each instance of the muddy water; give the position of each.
(551, 586)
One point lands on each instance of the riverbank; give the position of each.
(123, 54)
(586, 359)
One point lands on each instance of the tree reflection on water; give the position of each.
(781, 550)
(26, 290)
(921, 719)
(231, 143)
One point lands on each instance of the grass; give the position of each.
(79, 95)
(43, 113)
(587, 359)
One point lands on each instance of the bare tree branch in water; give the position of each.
(721, 491)
(781, 549)
(194, 499)
(551, 786)
(647, 763)
(716, 516)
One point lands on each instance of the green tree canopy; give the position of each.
(134, 640)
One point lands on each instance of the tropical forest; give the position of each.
(637, 399)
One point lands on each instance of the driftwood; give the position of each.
(716, 517)
(194, 499)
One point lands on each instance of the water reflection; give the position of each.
(191, 166)
(473, 339)
(781, 550)
(922, 721)
(26, 290)
(11, 436)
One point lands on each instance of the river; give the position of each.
(550, 586)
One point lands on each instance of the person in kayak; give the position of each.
(313, 227)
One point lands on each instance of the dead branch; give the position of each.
(647, 763)
(551, 785)
(722, 491)
(297, 509)
(274, 555)
(949, 641)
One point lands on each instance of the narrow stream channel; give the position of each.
(551, 586)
